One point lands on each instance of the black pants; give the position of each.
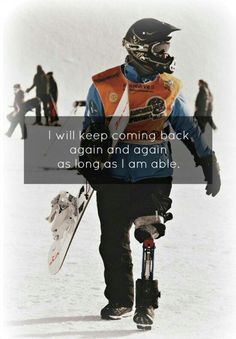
(19, 119)
(45, 100)
(203, 120)
(118, 206)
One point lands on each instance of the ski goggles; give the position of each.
(154, 48)
(159, 48)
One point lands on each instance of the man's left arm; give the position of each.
(184, 124)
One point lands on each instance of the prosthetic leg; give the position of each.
(147, 292)
(147, 229)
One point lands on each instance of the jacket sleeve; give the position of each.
(94, 111)
(183, 123)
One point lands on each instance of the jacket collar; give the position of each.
(132, 75)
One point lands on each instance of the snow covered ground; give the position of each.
(195, 262)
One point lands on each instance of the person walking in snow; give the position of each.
(14, 117)
(21, 107)
(204, 106)
(209, 107)
(41, 83)
(53, 96)
(139, 196)
(19, 97)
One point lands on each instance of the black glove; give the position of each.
(97, 138)
(211, 171)
(162, 203)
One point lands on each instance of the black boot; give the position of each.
(47, 121)
(143, 317)
(114, 311)
(147, 295)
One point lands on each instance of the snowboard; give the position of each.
(67, 210)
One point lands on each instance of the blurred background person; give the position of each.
(209, 107)
(40, 81)
(53, 96)
(21, 107)
(204, 106)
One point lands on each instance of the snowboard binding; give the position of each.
(66, 213)
(63, 214)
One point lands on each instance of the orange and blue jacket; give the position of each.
(155, 105)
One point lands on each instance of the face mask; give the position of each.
(152, 55)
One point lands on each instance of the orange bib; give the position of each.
(150, 103)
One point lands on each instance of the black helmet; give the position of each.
(147, 41)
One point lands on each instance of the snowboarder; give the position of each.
(126, 195)
(19, 97)
(53, 96)
(13, 117)
(40, 81)
(204, 106)
(19, 116)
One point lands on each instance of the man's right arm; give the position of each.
(94, 111)
(34, 84)
(94, 125)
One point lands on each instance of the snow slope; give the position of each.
(195, 262)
